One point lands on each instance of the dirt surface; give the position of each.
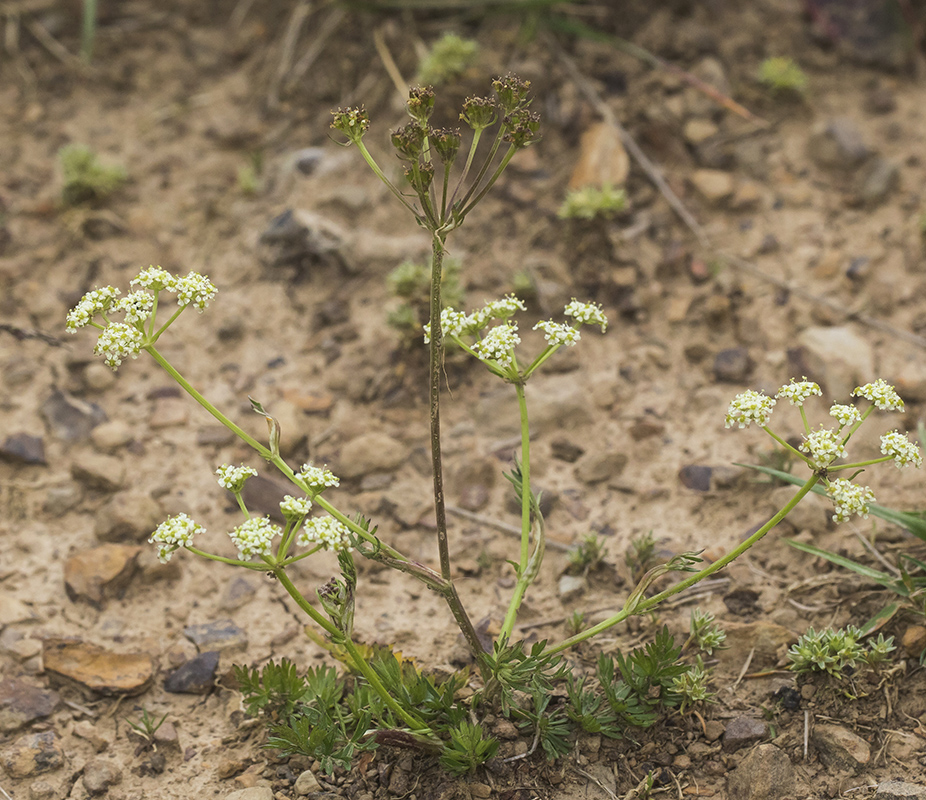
(824, 204)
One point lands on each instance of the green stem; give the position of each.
(860, 464)
(382, 176)
(651, 602)
(787, 446)
(234, 562)
(501, 168)
(435, 362)
(320, 619)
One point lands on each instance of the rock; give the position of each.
(254, 793)
(197, 676)
(220, 635)
(603, 161)
(571, 587)
(238, 591)
(101, 573)
(876, 180)
(742, 731)
(310, 402)
(112, 435)
(169, 412)
(813, 513)
(910, 382)
(713, 185)
(765, 774)
(70, 418)
(839, 748)
(747, 197)
(914, 640)
(566, 450)
(24, 449)
(32, 754)
(22, 703)
(475, 476)
(99, 775)
(837, 358)
(97, 670)
(263, 495)
(96, 471)
(13, 610)
(769, 640)
(306, 782)
(599, 466)
(696, 477)
(699, 130)
(129, 516)
(98, 377)
(559, 403)
(41, 790)
(14, 643)
(733, 365)
(646, 427)
(61, 499)
(371, 452)
(899, 790)
(86, 730)
(837, 144)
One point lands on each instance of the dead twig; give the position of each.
(502, 527)
(53, 46)
(595, 780)
(22, 333)
(743, 670)
(392, 69)
(290, 37)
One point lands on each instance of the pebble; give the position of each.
(899, 790)
(603, 161)
(111, 436)
(97, 670)
(70, 418)
(600, 465)
(197, 676)
(837, 144)
(263, 495)
(914, 640)
(566, 450)
(87, 731)
(699, 130)
(571, 587)
(41, 790)
(713, 185)
(13, 610)
(880, 100)
(169, 412)
(61, 499)
(101, 573)
(877, 180)
(742, 731)
(14, 643)
(238, 591)
(128, 516)
(733, 365)
(252, 793)
(765, 774)
(99, 775)
(220, 635)
(838, 358)
(306, 782)
(98, 377)
(32, 754)
(23, 448)
(696, 477)
(840, 748)
(96, 471)
(371, 452)
(22, 703)
(766, 638)
(646, 427)
(559, 404)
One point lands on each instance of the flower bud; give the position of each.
(447, 143)
(512, 92)
(353, 123)
(420, 103)
(479, 113)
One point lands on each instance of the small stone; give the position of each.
(914, 640)
(237, 592)
(742, 731)
(13, 610)
(87, 731)
(695, 477)
(713, 185)
(371, 452)
(837, 144)
(41, 790)
(100, 573)
(899, 790)
(699, 130)
(229, 767)
(220, 635)
(840, 748)
(97, 670)
(877, 180)
(566, 450)
(733, 365)
(22, 703)
(61, 499)
(70, 418)
(480, 790)
(768, 640)
(599, 466)
(747, 196)
(505, 730)
(306, 782)
(197, 676)
(33, 754)
(99, 775)
(646, 427)
(14, 643)
(765, 774)
(166, 736)
(837, 358)
(111, 436)
(310, 402)
(263, 495)
(98, 377)
(713, 730)
(96, 471)
(129, 516)
(603, 161)
(252, 793)
(571, 587)
(24, 449)
(169, 412)
(215, 435)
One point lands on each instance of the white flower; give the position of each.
(452, 323)
(173, 533)
(587, 314)
(137, 307)
(233, 478)
(294, 508)
(747, 407)
(317, 478)
(845, 415)
(502, 309)
(882, 394)
(798, 392)
(901, 449)
(156, 279)
(823, 446)
(557, 333)
(326, 531)
(196, 290)
(118, 341)
(498, 343)
(99, 301)
(254, 536)
(849, 499)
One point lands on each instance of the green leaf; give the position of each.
(885, 579)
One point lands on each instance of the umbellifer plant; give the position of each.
(392, 701)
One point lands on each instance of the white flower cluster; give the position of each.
(233, 478)
(904, 452)
(747, 407)
(558, 333)
(117, 342)
(294, 508)
(156, 279)
(173, 533)
(254, 536)
(99, 301)
(798, 391)
(195, 290)
(137, 307)
(458, 323)
(845, 415)
(498, 343)
(587, 314)
(317, 478)
(849, 499)
(823, 446)
(326, 531)
(882, 394)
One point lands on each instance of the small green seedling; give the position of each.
(587, 555)
(449, 57)
(86, 180)
(782, 76)
(593, 202)
(146, 726)
(839, 653)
